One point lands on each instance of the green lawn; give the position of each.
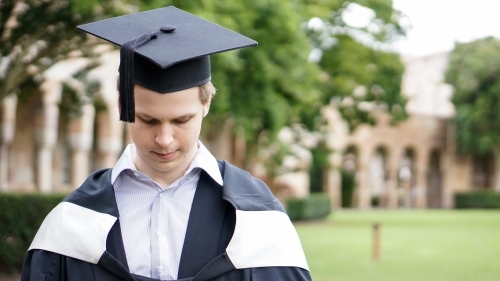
(451, 245)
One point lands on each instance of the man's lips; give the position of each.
(165, 156)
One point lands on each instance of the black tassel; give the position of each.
(127, 103)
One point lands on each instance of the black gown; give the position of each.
(212, 250)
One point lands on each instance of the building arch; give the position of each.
(378, 176)
(407, 178)
(349, 175)
(435, 180)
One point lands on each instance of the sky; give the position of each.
(437, 24)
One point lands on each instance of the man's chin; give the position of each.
(165, 167)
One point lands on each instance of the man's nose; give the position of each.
(165, 135)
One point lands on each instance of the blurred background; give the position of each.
(369, 108)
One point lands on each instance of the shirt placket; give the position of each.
(159, 245)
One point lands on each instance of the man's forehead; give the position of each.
(145, 97)
(141, 89)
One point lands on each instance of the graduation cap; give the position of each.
(165, 50)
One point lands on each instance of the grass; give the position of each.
(447, 245)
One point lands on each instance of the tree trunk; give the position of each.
(496, 155)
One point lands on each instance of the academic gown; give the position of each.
(239, 231)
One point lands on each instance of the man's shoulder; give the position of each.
(264, 236)
(246, 192)
(234, 173)
(78, 226)
(96, 193)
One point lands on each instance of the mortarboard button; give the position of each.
(167, 29)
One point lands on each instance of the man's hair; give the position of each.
(207, 91)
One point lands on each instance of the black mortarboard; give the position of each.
(165, 50)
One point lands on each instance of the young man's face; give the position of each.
(166, 130)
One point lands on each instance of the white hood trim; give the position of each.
(263, 239)
(74, 231)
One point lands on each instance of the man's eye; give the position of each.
(147, 121)
(181, 121)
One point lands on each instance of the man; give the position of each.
(168, 210)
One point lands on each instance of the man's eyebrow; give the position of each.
(144, 115)
(187, 115)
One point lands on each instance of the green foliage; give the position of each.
(332, 13)
(477, 200)
(348, 180)
(359, 76)
(34, 35)
(20, 217)
(273, 85)
(473, 71)
(316, 206)
(77, 92)
(263, 88)
(84, 7)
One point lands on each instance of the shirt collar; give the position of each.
(203, 160)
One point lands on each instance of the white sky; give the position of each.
(437, 24)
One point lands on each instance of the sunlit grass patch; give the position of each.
(415, 245)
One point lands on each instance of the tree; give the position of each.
(362, 74)
(362, 81)
(473, 71)
(276, 84)
(35, 35)
(262, 89)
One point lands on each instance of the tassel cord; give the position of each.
(127, 52)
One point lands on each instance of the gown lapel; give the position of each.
(99, 195)
(209, 229)
(114, 260)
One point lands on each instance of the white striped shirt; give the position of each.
(154, 220)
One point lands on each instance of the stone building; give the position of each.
(43, 149)
(412, 164)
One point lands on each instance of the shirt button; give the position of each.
(158, 232)
(136, 174)
(160, 269)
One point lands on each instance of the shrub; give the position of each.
(477, 200)
(315, 206)
(20, 217)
